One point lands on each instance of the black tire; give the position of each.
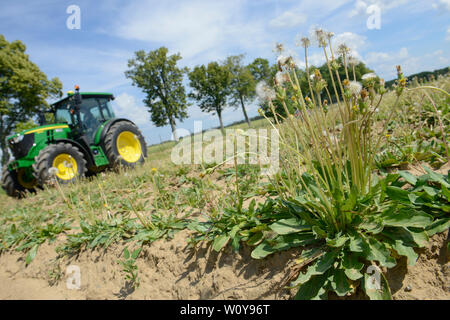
(110, 144)
(44, 161)
(10, 184)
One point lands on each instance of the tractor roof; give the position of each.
(85, 95)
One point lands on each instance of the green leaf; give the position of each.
(313, 288)
(446, 192)
(408, 237)
(319, 267)
(84, 227)
(398, 194)
(352, 266)
(340, 283)
(236, 243)
(321, 234)
(287, 226)
(438, 226)
(126, 253)
(411, 179)
(262, 251)
(337, 242)
(356, 243)
(407, 218)
(135, 253)
(436, 177)
(405, 251)
(254, 239)
(31, 254)
(377, 251)
(220, 242)
(234, 230)
(376, 286)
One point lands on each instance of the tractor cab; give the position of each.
(84, 112)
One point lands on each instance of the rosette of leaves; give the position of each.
(381, 226)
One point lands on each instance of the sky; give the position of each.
(381, 33)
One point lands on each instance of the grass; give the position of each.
(347, 213)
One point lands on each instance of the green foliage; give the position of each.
(129, 266)
(261, 70)
(234, 226)
(242, 83)
(24, 89)
(211, 87)
(158, 76)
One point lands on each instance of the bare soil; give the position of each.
(172, 270)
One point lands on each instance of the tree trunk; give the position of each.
(244, 111)
(174, 133)
(5, 152)
(219, 114)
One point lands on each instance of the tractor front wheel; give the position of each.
(125, 145)
(10, 183)
(62, 161)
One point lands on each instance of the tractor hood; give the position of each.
(37, 130)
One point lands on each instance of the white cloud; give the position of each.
(288, 19)
(354, 41)
(448, 34)
(127, 107)
(442, 5)
(193, 28)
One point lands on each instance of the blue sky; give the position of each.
(415, 34)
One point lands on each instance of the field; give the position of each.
(212, 231)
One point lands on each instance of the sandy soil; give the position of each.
(171, 270)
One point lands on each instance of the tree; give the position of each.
(261, 70)
(158, 76)
(211, 86)
(24, 89)
(242, 84)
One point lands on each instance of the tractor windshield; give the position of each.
(94, 111)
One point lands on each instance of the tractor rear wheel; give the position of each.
(125, 145)
(62, 161)
(10, 183)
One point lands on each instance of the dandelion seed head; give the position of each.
(305, 42)
(355, 87)
(353, 61)
(279, 47)
(53, 171)
(281, 78)
(369, 76)
(343, 49)
(264, 92)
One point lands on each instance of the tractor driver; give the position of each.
(89, 121)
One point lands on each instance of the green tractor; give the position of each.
(84, 139)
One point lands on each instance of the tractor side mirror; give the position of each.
(41, 119)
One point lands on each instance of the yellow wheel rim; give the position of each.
(25, 181)
(66, 165)
(129, 147)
